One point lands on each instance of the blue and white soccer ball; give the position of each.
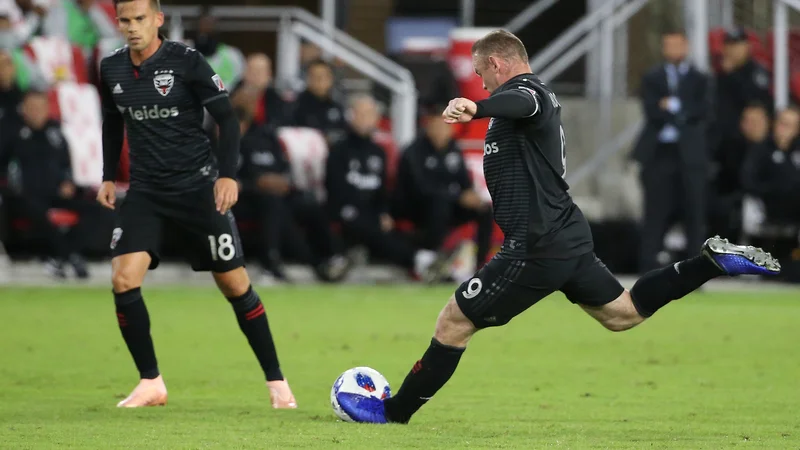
(355, 386)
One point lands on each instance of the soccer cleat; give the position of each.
(363, 409)
(281, 395)
(147, 393)
(740, 259)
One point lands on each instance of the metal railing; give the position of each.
(528, 14)
(296, 23)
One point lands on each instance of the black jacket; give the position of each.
(747, 84)
(276, 110)
(356, 178)
(770, 172)
(261, 153)
(41, 159)
(425, 172)
(324, 115)
(690, 121)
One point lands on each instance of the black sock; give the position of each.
(134, 323)
(253, 323)
(427, 376)
(659, 287)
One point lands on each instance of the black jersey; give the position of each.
(161, 102)
(524, 164)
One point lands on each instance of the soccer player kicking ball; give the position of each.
(548, 245)
(157, 89)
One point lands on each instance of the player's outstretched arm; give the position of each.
(511, 104)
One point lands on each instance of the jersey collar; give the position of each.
(505, 85)
(154, 57)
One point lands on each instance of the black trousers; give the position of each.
(671, 191)
(366, 230)
(435, 217)
(60, 244)
(296, 224)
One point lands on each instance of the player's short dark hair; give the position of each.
(155, 4)
(500, 43)
(673, 32)
(319, 63)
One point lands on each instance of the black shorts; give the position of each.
(210, 239)
(504, 288)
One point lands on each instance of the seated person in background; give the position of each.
(43, 178)
(256, 94)
(357, 196)
(10, 92)
(771, 171)
(434, 188)
(726, 186)
(265, 176)
(315, 107)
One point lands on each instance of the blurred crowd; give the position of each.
(715, 157)
(399, 209)
(323, 184)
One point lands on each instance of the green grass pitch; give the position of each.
(712, 371)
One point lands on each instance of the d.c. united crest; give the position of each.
(164, 82)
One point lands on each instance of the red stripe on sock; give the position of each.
(255, 313)
(121, 320)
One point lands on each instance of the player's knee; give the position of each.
(234, 283)
(617, 324)
(453, 328)
(125, 278)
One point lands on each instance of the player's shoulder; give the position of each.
(117, 55)
(177, 49)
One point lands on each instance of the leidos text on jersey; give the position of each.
(489, 148)
(153, 113)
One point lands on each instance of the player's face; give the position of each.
(755, 124)
(258, 72)
(674, 47)
(364, 117)
(320, 80)
(438, 131)
(139, 23)
(35, 110)
(739, 52)
(786, 126)
(488, 71)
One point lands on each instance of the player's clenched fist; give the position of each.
(107, 195)
(459, 110)
(226, 193)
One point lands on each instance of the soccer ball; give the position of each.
(356, 384)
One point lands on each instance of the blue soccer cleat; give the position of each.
(740, 259)
(363, 409)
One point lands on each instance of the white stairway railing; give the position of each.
(292, 24)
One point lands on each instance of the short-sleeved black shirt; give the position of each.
(162, 103)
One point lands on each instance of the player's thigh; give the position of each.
(503, 289)
(211, 239)
(138, 227)
(599, 293)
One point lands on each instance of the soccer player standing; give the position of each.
(157, 89)
(548, 244)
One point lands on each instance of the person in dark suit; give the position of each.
(672, 150)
